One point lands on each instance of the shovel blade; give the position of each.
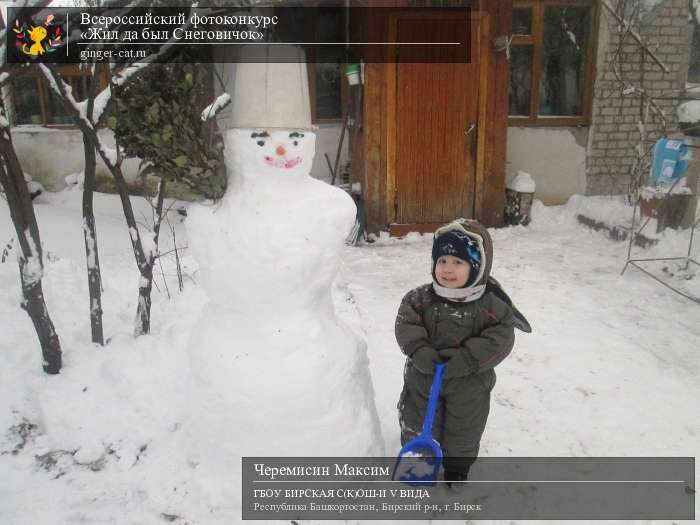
(418, 462)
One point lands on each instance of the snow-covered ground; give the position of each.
(611, 368)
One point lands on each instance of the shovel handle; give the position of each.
(433, 399)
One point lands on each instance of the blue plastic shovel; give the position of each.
(419, 460)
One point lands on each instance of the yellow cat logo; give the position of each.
(34, 41)
(36, 35)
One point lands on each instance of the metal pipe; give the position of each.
(694, 299)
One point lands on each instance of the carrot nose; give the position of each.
(280, 150)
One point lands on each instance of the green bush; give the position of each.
(157, 118)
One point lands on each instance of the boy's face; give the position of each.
(451, 271)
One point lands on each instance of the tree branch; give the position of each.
(86, 127)
(635, 35)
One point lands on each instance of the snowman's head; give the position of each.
(273, 152)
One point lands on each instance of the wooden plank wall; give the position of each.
(368, 139)
(375, 169)
(491, 213)
(372, 137)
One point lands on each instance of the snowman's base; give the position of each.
(293, 387)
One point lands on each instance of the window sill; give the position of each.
(41, 127)
(552, 122)
(328, 121)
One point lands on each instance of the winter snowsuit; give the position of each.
(483, 331)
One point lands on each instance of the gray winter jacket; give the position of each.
(483, 330)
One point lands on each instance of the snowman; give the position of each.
(274, 371)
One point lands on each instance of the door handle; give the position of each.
(471, 128)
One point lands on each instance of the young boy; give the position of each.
(463, 318)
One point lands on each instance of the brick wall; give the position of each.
(614, 131)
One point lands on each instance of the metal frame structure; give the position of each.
(688, 259)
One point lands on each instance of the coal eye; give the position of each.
(261, 143)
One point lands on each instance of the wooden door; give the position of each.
(435, 138)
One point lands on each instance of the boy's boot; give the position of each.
(456, 480)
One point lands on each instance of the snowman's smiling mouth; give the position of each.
(282, 163)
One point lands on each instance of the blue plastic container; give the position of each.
(670, 162)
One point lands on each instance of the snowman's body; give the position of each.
(271, 362)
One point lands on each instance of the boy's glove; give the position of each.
(459, 362)
(424, 359)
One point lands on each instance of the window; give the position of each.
(551, 59)
(33, 102)
(325, 73)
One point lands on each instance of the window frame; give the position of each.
(311, 70)
(309, 32)
(694, 78)
(72, 73)
(535, 39)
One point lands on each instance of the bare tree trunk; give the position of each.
(89, 228)
(91, 252)
(30, 261)
(143, 312)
